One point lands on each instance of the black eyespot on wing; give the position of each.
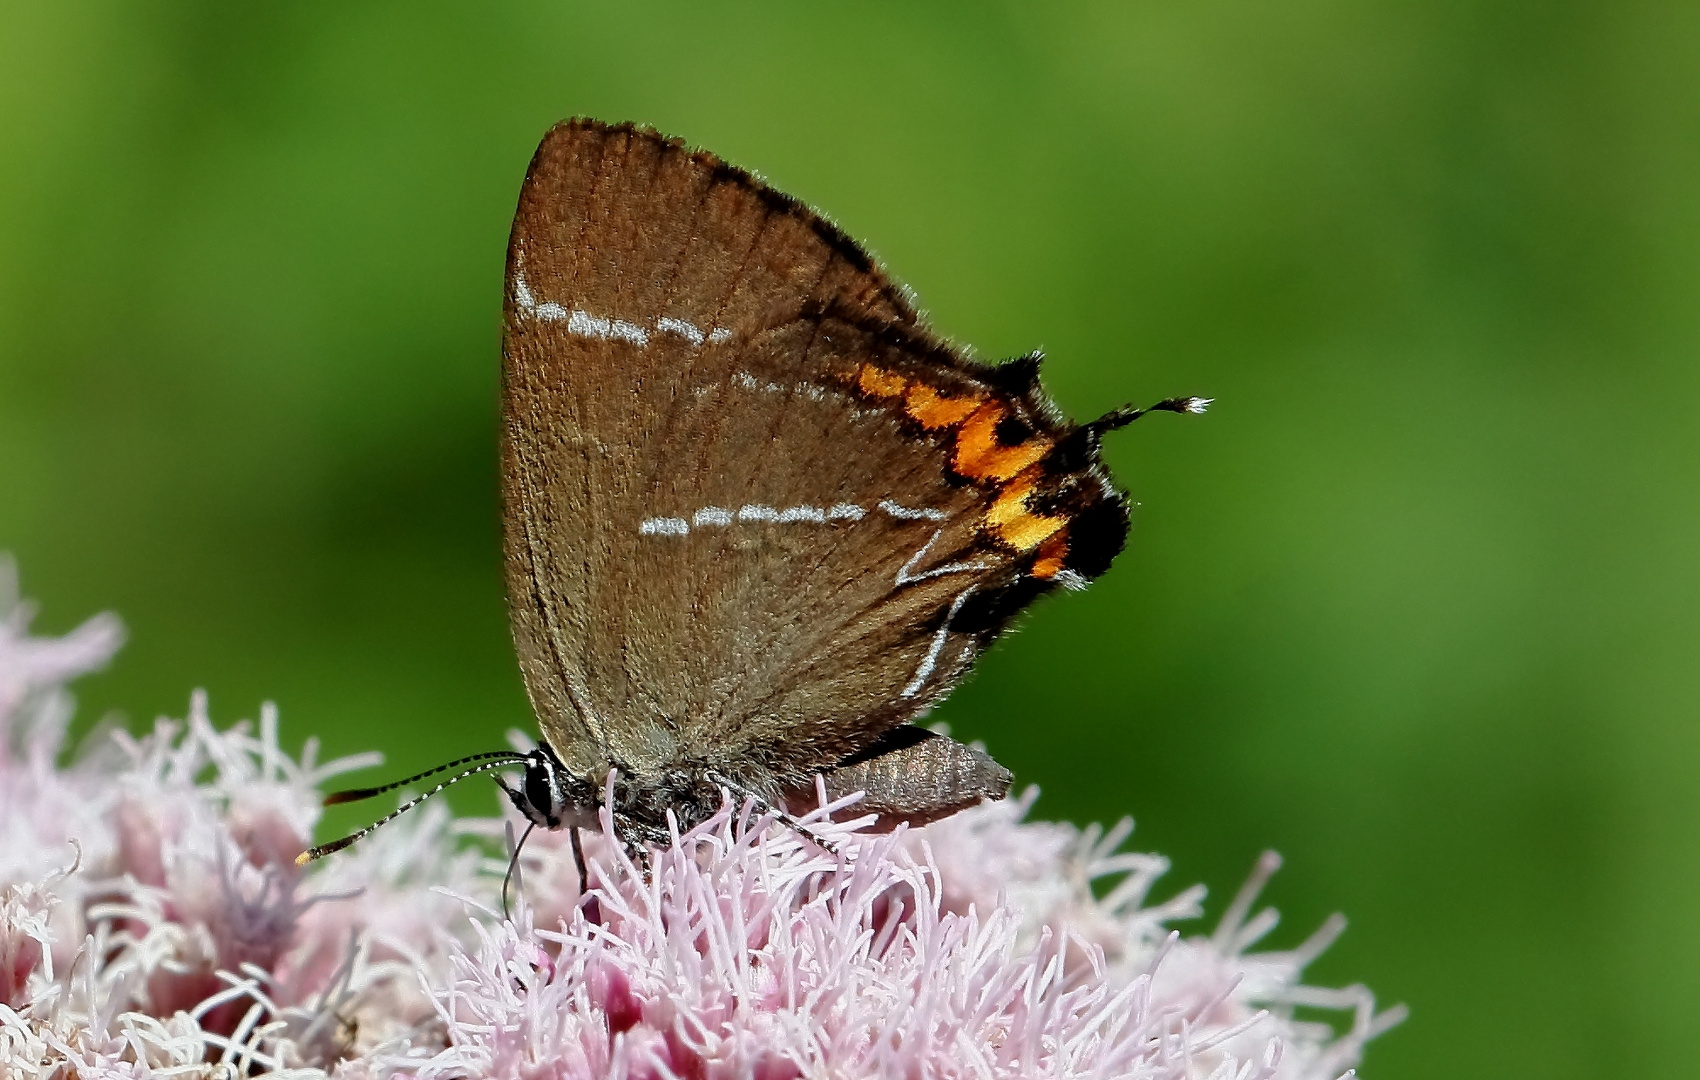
(1096, 536)
(1012, 430)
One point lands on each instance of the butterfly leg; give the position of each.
(635, 837)
(638, 851)
(578, 861)
(766, 807)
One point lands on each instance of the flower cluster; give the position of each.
(153, 924)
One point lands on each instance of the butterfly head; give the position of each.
(548, 795)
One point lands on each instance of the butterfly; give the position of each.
(758, 517)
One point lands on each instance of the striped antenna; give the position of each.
(356, 794)
(495, 761)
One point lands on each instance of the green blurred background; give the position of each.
(1416, 604)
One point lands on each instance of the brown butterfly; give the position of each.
(758, 518)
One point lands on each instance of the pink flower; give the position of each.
(152, 923)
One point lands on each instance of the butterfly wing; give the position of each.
(756, 514)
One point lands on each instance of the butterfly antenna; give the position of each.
(494, 761)
(356, 794)
(513, 868)
(1127, 414)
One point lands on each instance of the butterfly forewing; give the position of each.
(755, 514)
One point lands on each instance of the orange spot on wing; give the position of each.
(1014, 524)
(932, 410)
(1053, 553)
(979, 454)
(1028, 530)
(878, 382)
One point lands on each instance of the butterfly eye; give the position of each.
(540, 791)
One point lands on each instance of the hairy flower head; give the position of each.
(153, 924)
